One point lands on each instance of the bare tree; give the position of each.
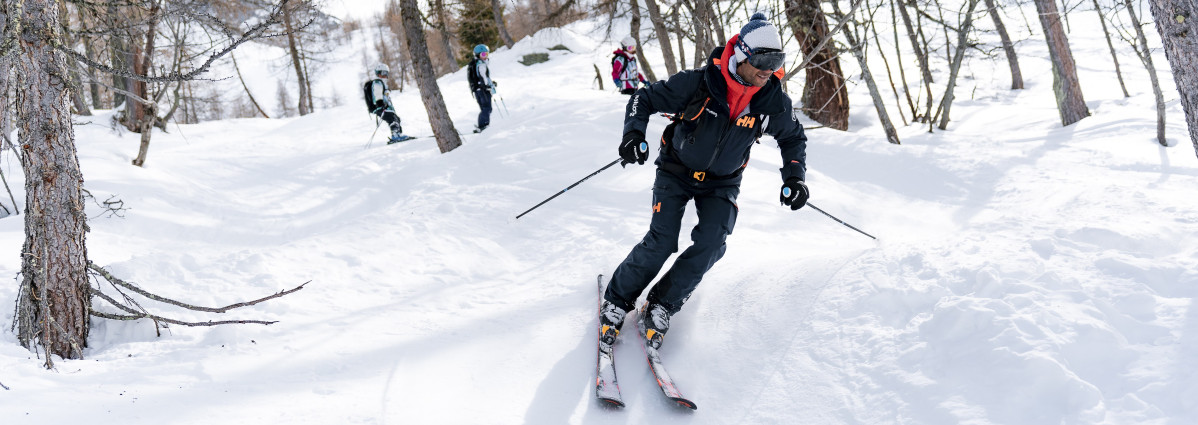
(824, 98)
(946, 102)
(858, 49)
(1140, 45)
(1106, 33)
(54, 298)
(1070, 103)
(443, 28)
(296, 61)
(663, 36)
(54, 301)
(921, 54)
(1177, 22)
(497, 9)
(438, 116)
(1007, 46)
(636, 35)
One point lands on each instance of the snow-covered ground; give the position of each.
(1024, 273)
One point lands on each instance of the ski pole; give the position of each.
(506, 112)
(376, 130)
(841, 222)
(575, 184)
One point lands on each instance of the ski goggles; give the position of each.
(766, 59)
(482, 55)
(382, 73)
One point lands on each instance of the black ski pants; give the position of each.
(483, 96)
(715, 203)
(392, 120)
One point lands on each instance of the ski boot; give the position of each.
(655, 321)
(399, 137)
(479, 129)
(611, 318)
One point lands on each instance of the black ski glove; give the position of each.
(379, 106)
(794, 193)
(634, 148)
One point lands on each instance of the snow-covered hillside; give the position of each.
(1024, 273)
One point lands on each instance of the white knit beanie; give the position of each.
(757, 34)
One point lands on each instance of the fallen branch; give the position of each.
(117, 281)
(136, 311)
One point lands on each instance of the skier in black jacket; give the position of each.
(478, 74)
(721, 110)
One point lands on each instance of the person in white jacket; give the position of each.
(378, 102)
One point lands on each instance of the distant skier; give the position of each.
(478, 74)
(378, 102)
(721, 110)
(624, 70)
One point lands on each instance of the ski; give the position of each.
(606, 388)
(659, 370)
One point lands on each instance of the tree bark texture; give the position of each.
(438, 115)
(1070, 102)
(497, 10)
(636, 35)
(54, 299)
(1145, 55)
(825, 98)
(946, 103)
(663, 35)
(293, 48)
(1177, 22)
(1007, 46)
(5, 67)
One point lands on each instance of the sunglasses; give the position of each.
(766, 59)
(482, 55)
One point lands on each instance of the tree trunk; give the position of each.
(295, 62)
(946, 103)
(1007, 46)
(54, 299)
(430, 93)
(922, 56)
(824, 98)
(1106, 33)
(5, 66)
(702, 32)
(497, 10)
(681, 47)
(1177, 22)
(1070, 103)
(663, 35)
(1146, 58)
(446, 43)
(149, 109)
(879, 106)
(636, 35)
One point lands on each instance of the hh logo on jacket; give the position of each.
(746, 121)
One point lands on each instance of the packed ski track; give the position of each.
(1024, 273)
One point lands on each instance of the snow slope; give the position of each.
(1025, 273)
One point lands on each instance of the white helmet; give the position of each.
(628, 42)
(380, 70)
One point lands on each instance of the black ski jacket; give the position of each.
(706, 138)
(478, 82)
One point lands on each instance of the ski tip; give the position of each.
(611, 403)
(685, 403)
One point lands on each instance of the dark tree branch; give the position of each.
(117, 281)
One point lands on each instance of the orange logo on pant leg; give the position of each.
(657, 208)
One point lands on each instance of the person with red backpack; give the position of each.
(624, 70)
(378, 101)
(720, 110)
